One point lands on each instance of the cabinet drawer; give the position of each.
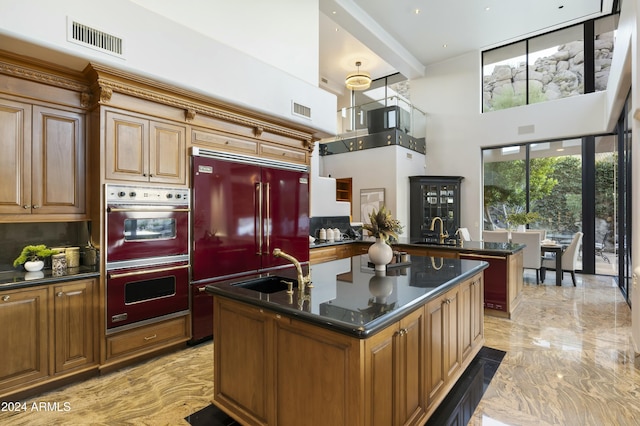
(223, 142)
(170, 331)
(282, 153)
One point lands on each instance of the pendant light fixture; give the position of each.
(359, 80)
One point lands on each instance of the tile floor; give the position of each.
(569, 361)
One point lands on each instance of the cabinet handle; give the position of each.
(151, 337)
(6, 298)
(201, 289)
(26, 206)
(278, 316)
(36, 206)
(59, 294)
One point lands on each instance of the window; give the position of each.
(551, 66)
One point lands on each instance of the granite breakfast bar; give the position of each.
(358, 347)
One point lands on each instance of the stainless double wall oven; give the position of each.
(147, 254)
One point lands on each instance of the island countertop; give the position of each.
(477, 247)
(348, 296)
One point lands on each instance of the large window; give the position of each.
(570, 184)
(559, 64)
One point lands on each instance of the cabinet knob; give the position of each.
(59, 294)
(36, 206)
(26, 206)
(278, 316)
(6, 298)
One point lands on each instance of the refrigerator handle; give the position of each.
(268, 218)
(259, 218)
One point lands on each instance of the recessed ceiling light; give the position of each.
(486, 9)
(334, 12)
(417, 11)
(444, 45)
(337, 29)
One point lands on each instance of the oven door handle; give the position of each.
(119, 209)
(146, 271)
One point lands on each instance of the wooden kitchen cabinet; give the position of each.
(143, 150)
(51, 333)
(325, 254)
(394, 373)
(43, 163)
(443, 340)
(25, 320)
(472, 321)
(74, 323)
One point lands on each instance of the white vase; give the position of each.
(33, 266)
(380, 254)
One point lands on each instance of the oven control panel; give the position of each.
(132, 194)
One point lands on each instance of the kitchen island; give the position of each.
(358, 348)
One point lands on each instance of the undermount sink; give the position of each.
(450, 242)
(271, 284)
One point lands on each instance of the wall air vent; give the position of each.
(90, 37)
(301, 110)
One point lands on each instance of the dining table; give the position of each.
(557, 249)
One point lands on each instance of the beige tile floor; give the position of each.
(569, 361)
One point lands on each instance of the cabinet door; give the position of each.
(74, 323)
(443, 329)
(167, 153)
(472, 315)
(24, 335)
(411, 374)
(241, 360)
(15, 161)
(58, 162)
(380, 378)
(126, 149)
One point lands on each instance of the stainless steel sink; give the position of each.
(271, 284)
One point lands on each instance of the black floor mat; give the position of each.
(459, 403)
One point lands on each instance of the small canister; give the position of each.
(337, 235)
(330, 234)
(73, 257)
(323, 234)
(90, 257)
(59, 264)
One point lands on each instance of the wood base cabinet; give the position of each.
(270, 369)
(50, 330)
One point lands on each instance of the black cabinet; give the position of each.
(430, 197)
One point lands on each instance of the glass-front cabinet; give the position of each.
(431, 197)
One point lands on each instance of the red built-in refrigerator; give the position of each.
(243, 208)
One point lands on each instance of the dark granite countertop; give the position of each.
(12, 279)
(475, 247)
(349, 297)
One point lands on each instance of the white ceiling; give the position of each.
(389, 36)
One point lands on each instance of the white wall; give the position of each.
(323, 191)
(387, 167)
(164, 50)
(282, 33)
(457, 131)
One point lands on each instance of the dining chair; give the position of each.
(542, 232)
(495, 236)
(464, 234)
(569, 259)
(531, 253)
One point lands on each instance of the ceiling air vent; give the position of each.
(301, 110)
(91, 37)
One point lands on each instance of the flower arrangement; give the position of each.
(33, 253)
(382, 225)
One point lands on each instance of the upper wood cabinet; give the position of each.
(43, 167)
(143, 150)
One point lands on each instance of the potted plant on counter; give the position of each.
(383, 227)
(32, 257)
